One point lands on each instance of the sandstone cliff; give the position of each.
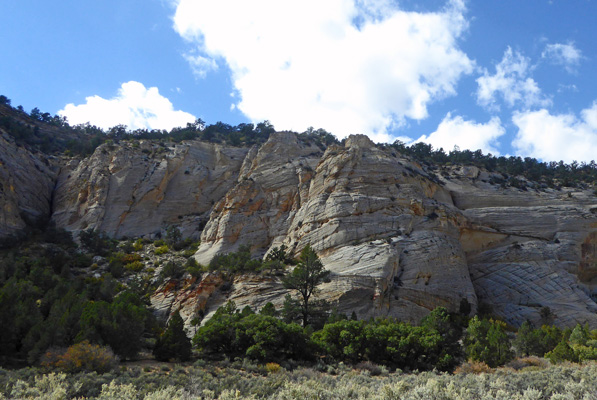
(133, 190)
(400, 238)
(26, 186)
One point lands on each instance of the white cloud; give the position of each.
(134, 106)
(566, 55)
(455, 131)
(511, 82)
(567, 88)
(348, 66)
(201, 65)
(557, 137)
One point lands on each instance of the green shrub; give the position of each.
(173, 270)
(116, 269)
(536, 342)
(190, 252)
(138, 245)
(97, 242)
(279, 254)
(194, 269)
(173, 237)
(118, 263)
(343, 340)
(487, 341)
(237, 262)
(127, 246)
(562, 352)
(269, 309)
(162, 250)
(272, 367)
(120, 324)
(392, 343)
(260, 337)
(135, 266)
(130, 258)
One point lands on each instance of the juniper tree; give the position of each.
(304, 278)
(173, 343)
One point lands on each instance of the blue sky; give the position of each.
(506, 76)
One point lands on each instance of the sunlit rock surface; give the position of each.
(399, 237)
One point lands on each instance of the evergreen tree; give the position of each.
(305, 277)
(173, 343)
(120, 324)
(487, 341)
(562, 352)
(269, 309)
(536, 342)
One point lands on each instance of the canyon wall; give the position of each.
(400, 238)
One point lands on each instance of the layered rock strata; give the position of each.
(378, 223)
(259, 209)
(400, 238)
(525, 256)
(138, 190)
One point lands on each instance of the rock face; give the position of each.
(26, 186)
(399, 238)
(377, 222)
(260, 208)
(139, 190)
(400, 241)
(526, 257)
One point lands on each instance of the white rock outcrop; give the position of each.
(399, 237)
(131, 191)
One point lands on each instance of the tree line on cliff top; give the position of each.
(25, 127)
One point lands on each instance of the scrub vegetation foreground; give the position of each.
(245, 380)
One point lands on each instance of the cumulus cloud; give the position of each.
(348, 66)
(566, 55)
(550, 137)
(455, 131)
(134, 106)
(511, 82)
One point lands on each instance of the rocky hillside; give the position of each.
(400, 238)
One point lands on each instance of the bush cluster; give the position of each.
(575, 345)
(487, 341)
(235, 333)
(120, 263)
(263, 337)
(241, 261)
(237, 262)
(161, 250)
(46, 302)
(385, 341)
(81, 357)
